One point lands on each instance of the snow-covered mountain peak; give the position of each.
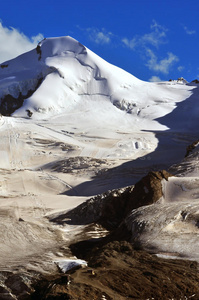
(60, 46)
(78, 127)
(61, 75)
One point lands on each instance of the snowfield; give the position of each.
(93, 127)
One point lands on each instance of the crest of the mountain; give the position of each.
(61, 75)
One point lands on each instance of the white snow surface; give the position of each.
(67, 264)
(94, 128)
(76, 79)
(170, 227)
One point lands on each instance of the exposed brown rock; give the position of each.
(117, 271)
(191, 147)
(15, 286)
(3, 66)
(149, 189)
(111, 208)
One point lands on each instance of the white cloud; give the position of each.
(130, 43)
(155, 79)
(14, 43)
(36, 39)
(155, 38)
(157, 26)
(190, 32)
(180, 68)
(163, 65)
(144, 45)
(99, 36)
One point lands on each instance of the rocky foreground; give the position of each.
(116, 267)
(117, 271)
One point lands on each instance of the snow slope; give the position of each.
(94, 127)
(74, 78)
(170, 227)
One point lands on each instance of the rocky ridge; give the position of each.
(111, 208)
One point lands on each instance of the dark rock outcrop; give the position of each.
(117, 271)
(195, 81)
(4, 66)
(15, 286)
(111, 208)
(8, 103)
(189, 163)
(38, 49)
(191, 147)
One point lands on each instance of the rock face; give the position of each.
(15, 286)
(111, 208)
(117, 271)
(191, 147)
(189, 165)
(9, 103)
(148, 190)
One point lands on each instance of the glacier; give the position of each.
(75, 129)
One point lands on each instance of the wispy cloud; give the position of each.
(148, 45)
(155, 79)
(13, 42)
(180, 68)
(99, 36)
(188, 31)
(130, 43)
(162, 65)
(156, 37)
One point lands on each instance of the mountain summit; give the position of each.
(61, 75)
(62, 70)
(77, 135)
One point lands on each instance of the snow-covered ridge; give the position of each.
(101, 129)
(63, 75)
(75, 72)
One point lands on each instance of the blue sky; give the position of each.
(151, 39)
